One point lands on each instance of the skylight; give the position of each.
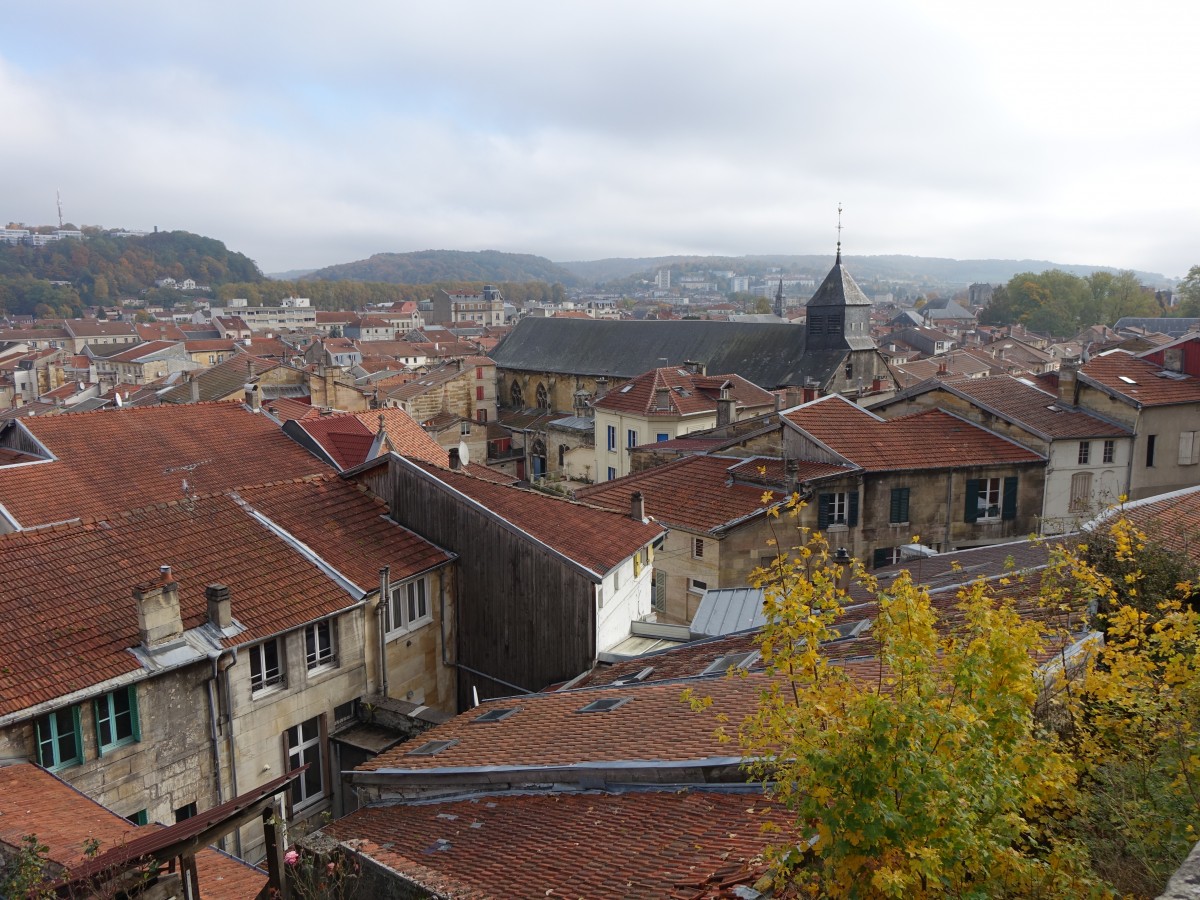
(636, 677)
(731, 660)
(1127, 379)
(606, 705)
(432, 748)
(496, 715)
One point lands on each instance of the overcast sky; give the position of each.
(306, 134)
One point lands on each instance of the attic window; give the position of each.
(1127, 379)
(606, 705)
(496, 715)
(731, 660)
(637, 677)
(432, 748)
(846, 630)
(626, 389)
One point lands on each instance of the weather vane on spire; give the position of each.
(839, 242)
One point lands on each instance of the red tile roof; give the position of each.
(52, 650)
(98, 328)
(348, 437)
(347, 526)
(1140, 381)
(597, 539)
(32, 801)
(211, 346)
(927, 440)
(675, 391)
(1030, 406)
(285, 408)
(634, 845)
(117, 459)
(1170, 520)
(693, 493)
(159, 331)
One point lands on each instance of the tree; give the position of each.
(762, 306)
(954, 765)
(1188, 292)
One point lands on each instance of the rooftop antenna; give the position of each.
(58, 195)
(838, 262)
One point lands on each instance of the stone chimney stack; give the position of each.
(455, 459)
(195, 386)
(725, 406)
(1068, 373)
(157, 602)
(637, 506)
(254, 398)
(220, 610)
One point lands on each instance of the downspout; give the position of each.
(214, 737)
(380, 626)
(442, 613)
(233, 782)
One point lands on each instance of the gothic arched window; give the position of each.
(514, 392)
(543, 399)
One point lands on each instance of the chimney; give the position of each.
(157, 602)
(253, 398)
(792, 477)
(1068, 371)
(942, 370)
(725, 404)
(842, 558)
(637, 506)
(220, 612)
(455, 459)
(695, 368)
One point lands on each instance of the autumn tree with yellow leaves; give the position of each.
(968, 761)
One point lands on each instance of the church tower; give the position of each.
(839, 313)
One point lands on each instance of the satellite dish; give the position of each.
(464, 455)
(119, 398)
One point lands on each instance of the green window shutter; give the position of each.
(882, 556)
(1009, 509)
(133, 713)
(971, 510)
(78, 732)
(899, 506)
(97, 712)
(852, 516)
(822, 512)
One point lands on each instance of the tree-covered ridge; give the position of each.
(430, 266)
(101, 268)
(1061, 304)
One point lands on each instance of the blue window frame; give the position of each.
(612, 473)
(117, 719)
(662, 437)
(631, 438)
(59, 739)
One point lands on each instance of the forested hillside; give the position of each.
(430, 266)
(101, 268)
(335, 295)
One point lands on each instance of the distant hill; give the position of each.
(290, 274)
(919, 269)
(429, 266)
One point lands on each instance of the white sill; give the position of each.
(405, 632)
(330, 666)
(987, 520)
(267, 691)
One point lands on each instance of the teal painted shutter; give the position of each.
(899, 506)
(971, 511)
(1009, 510)
(133, 713)
(852, 517)
(822, 512)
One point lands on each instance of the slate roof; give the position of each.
(693, 493)
(597, 539)
(770, 356)
(1016, 400)
(1174, 326)
(226, 378)
(927, 440)
(115, 459)
(54, 648)
(33, 801)
(645, 844)
(98, 328)
(139, 352)
(675, 391)
(1139, 381)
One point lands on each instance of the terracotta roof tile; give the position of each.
(598, 539)
(1140, 381)
(504, 846)
(693, 493)
(287, 408)
(53, 649)
(927, 440)
(348, 437)
(32, 801)
(675, 391)
(117, 459)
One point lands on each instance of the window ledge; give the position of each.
(406, 632)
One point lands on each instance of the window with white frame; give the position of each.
(697, 548)
(266, 667)
(1085, 452)
(304, 747)
(318, 646)
(989, 498)
(696, 586)
(838, 507)
(408, 606)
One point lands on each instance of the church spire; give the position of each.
(779, 299)
(838, 261)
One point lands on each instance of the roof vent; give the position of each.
(606, 705)
(638, 677)
(432, 748)
(496, 715)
